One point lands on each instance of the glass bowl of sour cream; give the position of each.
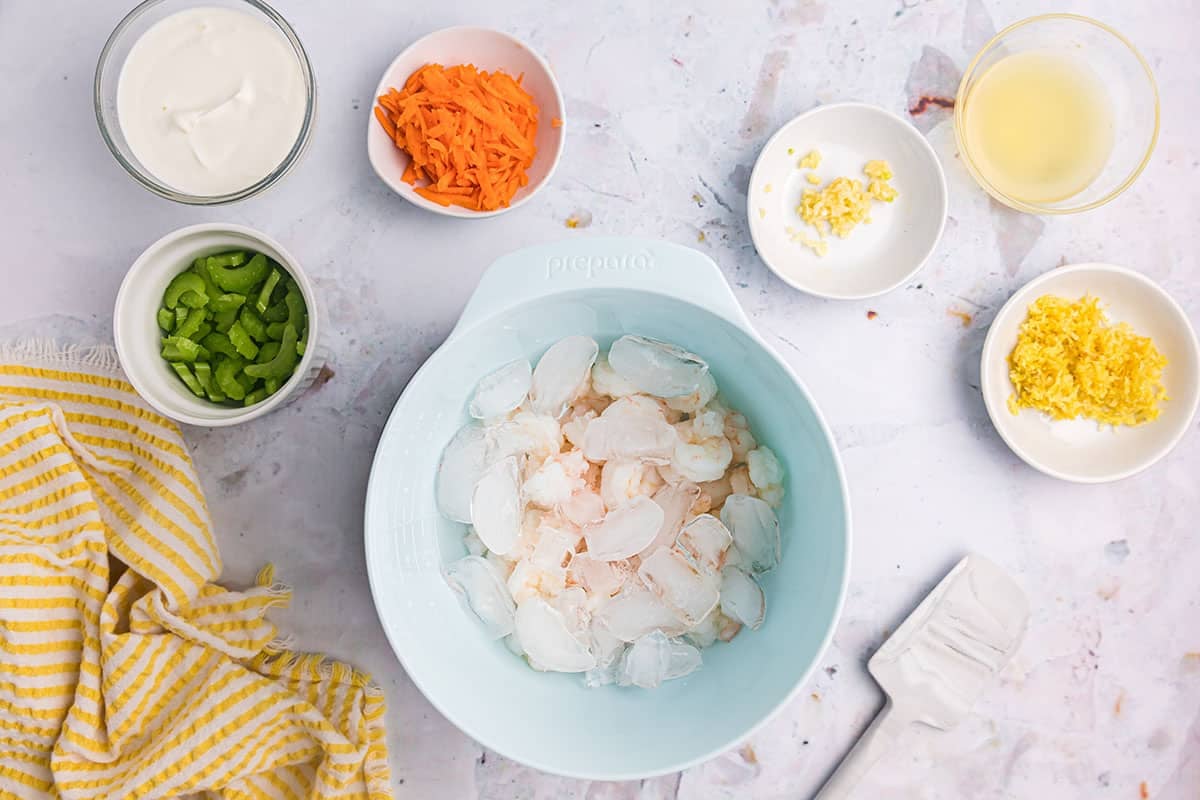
(205, 102)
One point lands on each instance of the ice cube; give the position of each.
(742, 599)
(657, 368)
(654, 658)
(473, 544)
(755, 530)
(692, 403)
(545, 637)
(633, 428)
(704, 541)
(485, 593)
(560, 373)
(534, 435)
(601, 579)
(501, 391)
(624, 531)
(463, 462)
(496, 506)
(554, 548)
(635, 612)
(583, 507)
(608, 650)
(682, 587)
(606, 381)
(676, 501)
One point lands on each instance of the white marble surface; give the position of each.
(667, 109)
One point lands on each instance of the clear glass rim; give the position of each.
(959, 121)
(161, 189)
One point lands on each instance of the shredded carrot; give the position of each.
(469, 134)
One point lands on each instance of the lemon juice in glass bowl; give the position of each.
(1057, 114)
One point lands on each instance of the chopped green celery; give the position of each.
(275, 331)
(185, 374)
(284, 362)
(267, 352)
(242, 341)
(183, 282)
(200, 267)
(224, 320)
(219, 343)
(253, 324)
(176, 348)
(297, 314)
(248, 383)
(264, 294)
(256, 396)
(226, 378)
(193, 299)
(180, 315)
(203, 372)
(166, 319)
(227, 302)
(195, 319)
(241, 279)
(234, 258)
(272, 385)
(278, 312)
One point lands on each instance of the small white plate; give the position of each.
(1080, 450)
(874, 258)
(488, 50)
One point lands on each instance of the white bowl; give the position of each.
(488, 50)
(139, 339)
(1080, 450)
(875, 258)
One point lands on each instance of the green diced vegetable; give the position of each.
(203, 372)
(248, 384)
(224, 320)
(183, 282)
(267, 352)
(210, 288)
(185, 374)
(242, 341)
(297, 315)
(204, 330)
(226, 377)
(241, 280)
(253, 324)
(272, 385)
(234, 258)
(278, 312)
(227, 302)
(176, 348)
(219, 343)
(284, 361)
(302, 345)
(191, 325)
(275, 331)
(180, 315)
(166, 319)
(264, 294)
(193, 299)
(256, 396)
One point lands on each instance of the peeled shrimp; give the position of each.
(621, 481)
(702, 452)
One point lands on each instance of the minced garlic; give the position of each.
(810, 161)
(844, 203)
(1069, 361)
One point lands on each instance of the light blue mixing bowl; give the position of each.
(525, 302)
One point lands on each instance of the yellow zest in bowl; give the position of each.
(811, 161)
(1070, 361)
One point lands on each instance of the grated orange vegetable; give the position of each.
(469, 134)
(1069, 361)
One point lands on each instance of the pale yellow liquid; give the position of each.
(1039, 126)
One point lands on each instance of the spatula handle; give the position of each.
(879, 738)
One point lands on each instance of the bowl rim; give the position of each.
(375, 577)
(404, 190)
(122, 310)
(988, 355)
(163, 190)
(960, 121)
(927, 148)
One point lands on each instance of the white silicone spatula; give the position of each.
(939, 661)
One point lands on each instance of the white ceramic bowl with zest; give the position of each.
(139, 339)
(1079, 449)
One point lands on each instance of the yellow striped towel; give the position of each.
(124, 671)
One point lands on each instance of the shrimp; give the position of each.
(575, 424)
(737, 431)
(535, 435)
(766, 473)
(739, 481)
(702, 452)
(605, 380)
(692, 403)
(558, 478)
(621, 481)
(713, 494)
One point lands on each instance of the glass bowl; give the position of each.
(1125, 75)
(108, 73)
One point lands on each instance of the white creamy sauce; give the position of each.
(211, 100)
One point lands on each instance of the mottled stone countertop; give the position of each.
(668, 104)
